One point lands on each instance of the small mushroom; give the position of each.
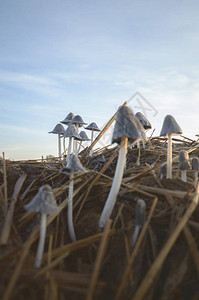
(59, 130)
(68, 119)
(184, 164)
(71, 132)
(139, 219)
(78, 122)
(43, 202)
(127, 129)
(93, 127)
(195, 168)
(84, 138)
(170, 127)
(145, 123)
(73, 166)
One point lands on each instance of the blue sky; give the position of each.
(87, 57)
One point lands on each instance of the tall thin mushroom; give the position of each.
(139, 219)
(73, 167)
(184, 164)
(67, 121)
(71, 132)
(43, 202)
(92, 127)
(84, 138)
(145, 123)
(59, 130)
(127, 129)
(170, 127)
(195, 168)
(78, 122)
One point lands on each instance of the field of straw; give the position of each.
(102, 264)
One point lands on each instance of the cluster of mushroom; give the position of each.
(74, 122)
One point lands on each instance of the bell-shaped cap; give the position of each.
(184, 163)
(92, 126)
(43, 202)
(59, 129)
(71, 131)
(78, 120)
(195, 163)
(170, 126)
(143, 120)
(83, 136)
(140, 213)
(73, 164)
(127, 125)
(68, 119)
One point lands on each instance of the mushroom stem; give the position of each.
(184, 175)
(59, 146)
(80, 143)
(196, 177)
(92, 134)
(110, 202)
(64, 144)
(169, 157)
(144, 145)
(70, 207)
(42, 236)
(135, 234)
(138, 144)
(69, 148)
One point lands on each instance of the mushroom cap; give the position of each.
(78, 120)
(195, 163)
(59, 129)
(73, 164)
(127, 125)
(71, 131)
(140, 213)
(143, 120)
(83, 136)
(170, 126)
(100, 159)
(184, 163)
(68, 118)
(43, 202)
(92, 126)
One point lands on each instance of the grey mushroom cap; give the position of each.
(184, 163)
(143, 120)
(71, 131)
(100, 159)
(195, 164)
(68, 119)
(73, 164)
(43, 202)
(127, 125)
(140, 213)
(83, 136)
(170, 126)
(78, 120)
(92, 126)
(59, 129)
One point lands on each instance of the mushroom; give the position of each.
(43, 202)
(93, 127)
(139, 219)
(84, 138)
(195, 168)
(184, 164)
(127, 129)
(145, 123)
(170, 127)
(68, 119)
(73, 166)
(59, 129)
(78, 122)
(71, 132)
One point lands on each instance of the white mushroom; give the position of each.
(59, 130)
(93, 127)
(139, 219)
(195, 168)
(170, 127)
(127, 129)
(73, 166)
(71, 132)
(78, 122)
(84, 138)
(184, 164)
(145, 123)
(43, 202)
